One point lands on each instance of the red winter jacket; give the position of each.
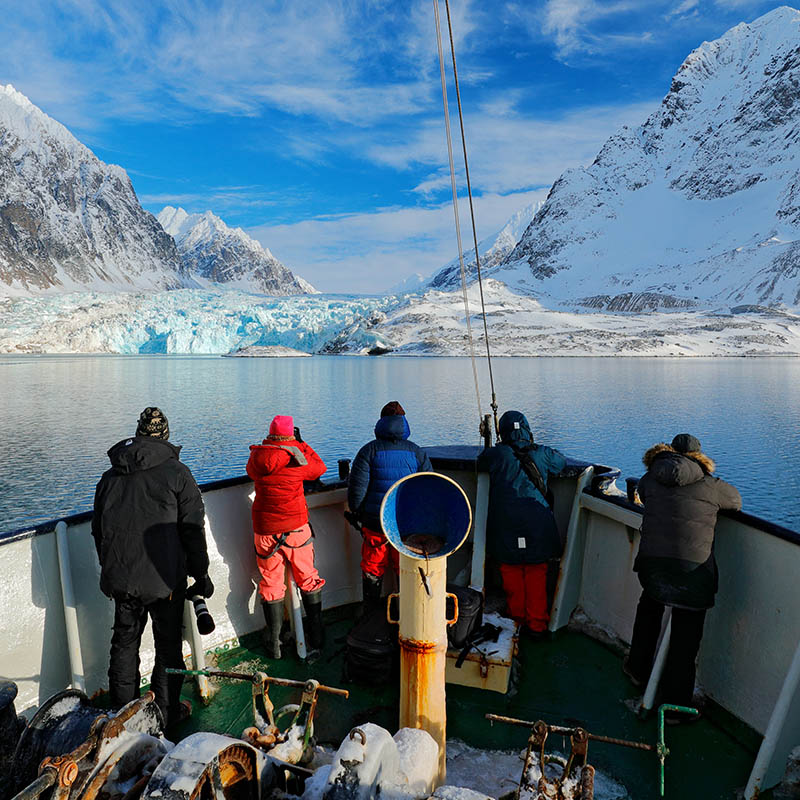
(280, 505)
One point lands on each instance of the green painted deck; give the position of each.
(569, 680)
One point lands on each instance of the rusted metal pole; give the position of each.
(423, 649)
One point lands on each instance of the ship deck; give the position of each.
(571, 679)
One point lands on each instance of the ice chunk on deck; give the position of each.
(419, 762)
(370, 763)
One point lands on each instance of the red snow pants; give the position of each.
(377, 553)
(296, 552)
(525, 586)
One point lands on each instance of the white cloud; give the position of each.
(368, 252)
(569, 23)
(508, 151)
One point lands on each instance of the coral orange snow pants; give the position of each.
(525, 586)
(377, 553)
(296, 552)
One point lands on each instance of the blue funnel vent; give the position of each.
(426, 513)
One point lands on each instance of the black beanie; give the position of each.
(686, 443)
(153, 423)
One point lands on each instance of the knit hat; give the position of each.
(393, 409)
(281, 426)
(153, 423)
(686, 443)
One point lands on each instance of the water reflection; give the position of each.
(59, 414)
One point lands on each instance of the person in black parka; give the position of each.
(149, 531)
(521, 529)
(675, 562)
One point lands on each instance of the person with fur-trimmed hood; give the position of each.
(521, 533)
(675, 563)
(283, 536)
(377, 466)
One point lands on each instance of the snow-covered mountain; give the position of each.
(67, 220)
(493, 251)
(699, 205)
(214, 253)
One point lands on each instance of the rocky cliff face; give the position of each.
(700, 204)
(67, 220)
(213, 253)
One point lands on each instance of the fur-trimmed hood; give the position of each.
(662, 449)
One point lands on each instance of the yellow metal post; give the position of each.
(423, 649)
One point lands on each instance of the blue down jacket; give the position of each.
(381, 463)
(521, 528)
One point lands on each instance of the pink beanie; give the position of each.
(281, 426)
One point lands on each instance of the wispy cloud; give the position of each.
(571, 25)
(511, 150)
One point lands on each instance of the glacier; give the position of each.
(186, 321)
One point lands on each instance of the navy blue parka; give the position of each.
(521, 528)
(381, 463)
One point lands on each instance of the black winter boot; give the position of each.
(315, 631)
(273, 616)
(371, 586)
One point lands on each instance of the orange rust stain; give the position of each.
(416, 646)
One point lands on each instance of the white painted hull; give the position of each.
(749, 644)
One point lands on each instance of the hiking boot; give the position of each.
(371, 587)
(273, 616)
(314, 629)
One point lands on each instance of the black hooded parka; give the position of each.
(148, 522)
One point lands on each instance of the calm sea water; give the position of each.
(59, 414)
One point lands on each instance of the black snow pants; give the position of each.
(130, 619)
(677, 680)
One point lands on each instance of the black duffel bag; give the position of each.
(372, 652)
(470, 615)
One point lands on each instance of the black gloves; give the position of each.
(202, 586)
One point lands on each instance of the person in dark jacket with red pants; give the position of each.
(278, 466)
(377, 466)
(521, 530)
(149, 531)
(675, 562)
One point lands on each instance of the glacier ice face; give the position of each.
(221, 322)
(189, 321)
(214, 253)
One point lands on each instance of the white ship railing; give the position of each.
(745, 666)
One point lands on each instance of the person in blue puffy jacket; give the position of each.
(521, 530)
(377, 466)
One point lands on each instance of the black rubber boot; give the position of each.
(371, 586)
(315, 631)
(273, 616)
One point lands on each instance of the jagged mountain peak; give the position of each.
(699, 204)
(493, 250)
(67, 220)
(214, 252)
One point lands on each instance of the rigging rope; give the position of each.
(472, 213)
(455, 201)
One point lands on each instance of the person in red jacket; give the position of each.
(278, 466)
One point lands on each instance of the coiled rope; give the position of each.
(471, 208)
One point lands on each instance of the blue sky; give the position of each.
(316, 125)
